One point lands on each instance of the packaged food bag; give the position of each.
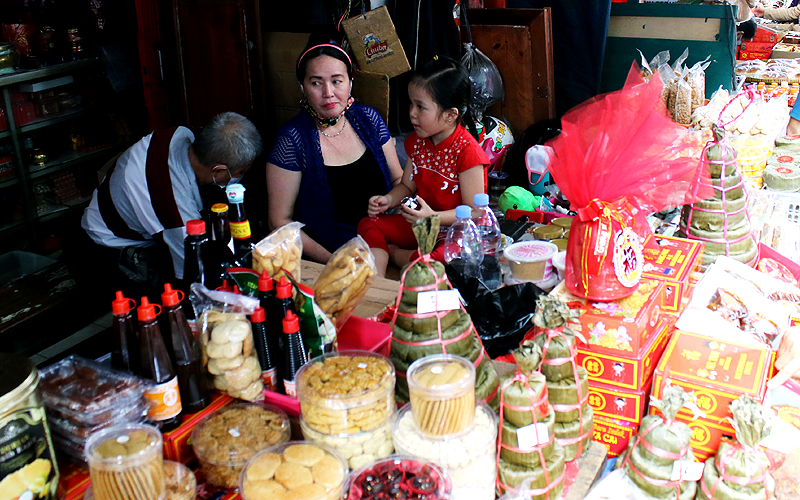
(227, 340)
(740, 469)
(345, 280)
(280, 252)
(618, 159)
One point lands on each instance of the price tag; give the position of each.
(532, 435)
(685, 470)
(438, 300)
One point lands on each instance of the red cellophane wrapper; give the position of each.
(618, 158)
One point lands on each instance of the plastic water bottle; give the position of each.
(489, 231)
(462, 246)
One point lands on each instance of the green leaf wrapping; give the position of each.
(567, 430)
(726, 490)
(528, 357)
(565, 392)
(508, 436)
(512, 475)
(659, 471)
(559, 347)
(552, 312)
(410, 353)
(427, 325)
(426, 231)
(517, 394)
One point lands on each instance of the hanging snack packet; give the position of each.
(345, 280)
(280, 252)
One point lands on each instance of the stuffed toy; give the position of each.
(518, 198)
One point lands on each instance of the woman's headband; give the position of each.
(300, 61)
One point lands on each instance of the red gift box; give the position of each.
(619, 404)
(672, 260)
(613, 434)
(765, 35)
(24, 112)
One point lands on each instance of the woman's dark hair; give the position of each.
(447, 81)
(322, 46)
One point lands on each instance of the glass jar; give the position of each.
(9, 57)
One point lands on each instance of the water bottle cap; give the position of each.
(258, 315)
(481, 199)
(219, 208)
(291, 324)
(235, 193)
(147, 311)
(196, 227)
(283, 290)
(265, 282)
(170, 297)
(463, 212)
(121, 305)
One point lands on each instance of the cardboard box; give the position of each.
(24, 112)
(749, 55)
(717, 371)
(766, 35)
(622, 327)
(73, 480)
(780, 54)
(613, 434)
(619, 404)
(672, 260)
(757, 46)
(176, 442)
(375, 43)
(628, 372)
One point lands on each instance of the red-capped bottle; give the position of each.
(164, 394)
(266, 357)
(187, 355)
(295, 354)
(268, 300)
(125, 350)
(283, 296)
(225, 287)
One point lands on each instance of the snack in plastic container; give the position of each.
(358, 449)
(280, 252)
(399, 477)
(345, 280)
(531, 260)
(225, 440)
(346, 392)
(76, 432)
(180, 481)
(442, 392)
(298, 469)
(126, 461)
(87, 392)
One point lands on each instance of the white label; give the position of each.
(685, 470)
(437, 300)
(290, 388)
(123, 439)
(234, 432)
(437, 369)
(532, 435)
(362, 365)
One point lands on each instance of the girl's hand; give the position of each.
(412, 215)
(377, 205)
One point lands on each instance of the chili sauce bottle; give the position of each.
(125, 349)
(266, 357)
(294, 355)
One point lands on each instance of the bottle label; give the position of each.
(240, 230)
(270, 379)
(164, 399)
(290, 387)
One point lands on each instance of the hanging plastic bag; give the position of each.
(487, 84)
(280, 252)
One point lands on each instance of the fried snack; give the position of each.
(345, 280)
(280, 252)
(229, 355)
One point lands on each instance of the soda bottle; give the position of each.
(462, 245)
(266, 357)
(489, 231)
(295, 353)
(154, 365)
(125, 350)
(239, 224)
(187, 355)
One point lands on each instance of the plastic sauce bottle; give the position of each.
(269, 301)
(125, 350)
(283, 295)
(187, 356)
(164, 395)
(295, 353)
(266, 358)
(489, 231)
(462, 244)
(240, 225)
(195, 248)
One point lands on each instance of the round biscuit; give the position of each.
(303, 454)
(263, 467)
(306, 492)
(292, 475)
(327, 472)
(264, 490)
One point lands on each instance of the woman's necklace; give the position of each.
(337, 134)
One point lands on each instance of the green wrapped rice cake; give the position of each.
(518, 395)
(565, 392)
(570, 430)
(513, 475)
(531, 458)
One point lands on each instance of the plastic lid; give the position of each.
(530, 251)
(146, 311)
(415, 474)
(127, 445)
(291, 323)
(265, 282)
(219, 208)
(258, 315)
(121, 305)
(283, 290)
(463, 212)
(196, 227)
(481, 199)
(170, 297)
(443, 375)
(235, 193)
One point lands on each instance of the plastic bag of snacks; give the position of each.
(280, 252)
(345, 280)
(227, 340)
(638, 167)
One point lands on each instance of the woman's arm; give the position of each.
(782, 14)
(395, 170)
(282, 187)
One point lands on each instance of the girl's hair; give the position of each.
(447, 81)
(322, 46)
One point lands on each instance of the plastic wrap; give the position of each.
(280, 252)
(345, 280)
(487, 84)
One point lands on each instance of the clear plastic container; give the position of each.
(126, 461)
(531, 260)
(180, 483)
(87, 392)
(441, 389)
(399, 474)
(225, 440)
(347, 392)
(80, 433)
(300, 470)
(358, 449)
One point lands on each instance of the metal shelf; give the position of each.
(12, 181)
(60, 210)
(56, 69)
(11, 228)
(66, 160)
(46, 122)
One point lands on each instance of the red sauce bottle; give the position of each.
(295, 353)
(125, 350)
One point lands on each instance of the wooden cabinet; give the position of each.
(519, 41)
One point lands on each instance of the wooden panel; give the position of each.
(681, 28)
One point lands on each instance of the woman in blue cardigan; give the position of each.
(328, 160)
